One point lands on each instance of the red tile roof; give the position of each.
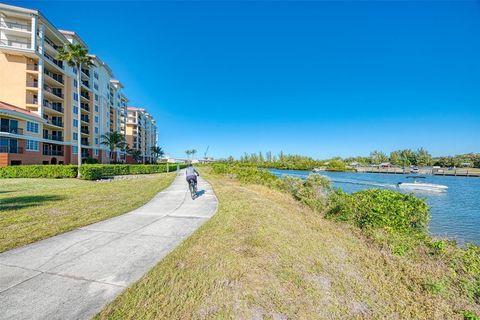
(9, 107)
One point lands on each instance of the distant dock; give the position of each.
(463, 172)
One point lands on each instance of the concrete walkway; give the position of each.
(75, 274)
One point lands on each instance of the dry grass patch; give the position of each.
(35, 209)
(265, 256)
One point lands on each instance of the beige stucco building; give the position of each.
(31, 78)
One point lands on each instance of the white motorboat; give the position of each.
(421, 186)
(316, 170)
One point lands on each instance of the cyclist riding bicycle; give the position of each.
(191, 174)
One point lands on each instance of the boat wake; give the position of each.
(365, 183)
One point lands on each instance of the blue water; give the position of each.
(455, 213)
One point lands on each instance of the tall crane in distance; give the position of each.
(205, 154)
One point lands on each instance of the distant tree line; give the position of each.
(419, 157)
(404, 158)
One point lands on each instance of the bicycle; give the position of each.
(192, 185)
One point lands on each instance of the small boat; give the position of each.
(421, 186)
(316, 170)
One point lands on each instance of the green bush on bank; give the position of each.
(99, 171)
(87, 171)
(39, 171)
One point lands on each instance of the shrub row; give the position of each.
(88, 171)
(99, 171)
(39, 171)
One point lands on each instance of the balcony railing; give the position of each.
(84, 142)
(48, 152)
(32, 83)
(56, 92)
(33, 67)
(9, 129)
(56, 62)
(84, 118)
(15, 26)
(54, 76)
(9, 149)
(51, 44)
(16, 43)
(31, 100)
(85, 106)
(86, 72)
(53, 105)
(85, 95)
(85, 131)
(55, 137)
(57, 123)
(86, 84)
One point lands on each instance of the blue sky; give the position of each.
(315, 78)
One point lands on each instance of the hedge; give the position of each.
(98, 171)
(39, 171)
(88, 171)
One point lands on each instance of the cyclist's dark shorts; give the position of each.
(190, 178)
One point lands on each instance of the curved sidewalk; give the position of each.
(75, 274)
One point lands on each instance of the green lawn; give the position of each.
(265, 256)
(34, 209)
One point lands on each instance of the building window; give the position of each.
(75, 96)
(74, 150)
(32, 145)
(95, 152)
(32, 127)
(75, 123)
(96, 129)
(95, 85)
(96, 119)
(96, 97)
(95, 75)
(75, 83)
(96, 108)
(96, 140)
(75, 109)
(75, 136)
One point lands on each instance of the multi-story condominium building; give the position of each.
(31, 78)
(141, 131)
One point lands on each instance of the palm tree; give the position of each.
(136, 154)
(158, 152)
(193, 151)
(113, 140)
(188, 153)
(75, 55)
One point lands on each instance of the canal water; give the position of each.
(455, 213)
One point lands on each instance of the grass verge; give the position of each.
(265, 255)
(35, 209)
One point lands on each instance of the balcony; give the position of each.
(53, 122)
(55, 137)
(32, 67)
(32, 83)
(85, 106)
(56, 62)
(85, 130)
(55, 91)
(84, 141)
(84, 118)
(16, 44)
(48, 152)
(85, 95)
(86, 72)
(11, 129)
(53, 105)
(57, 77)
(9, 149)
(86, 84)
(15, 26)
(31, 100)
(51, 44)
